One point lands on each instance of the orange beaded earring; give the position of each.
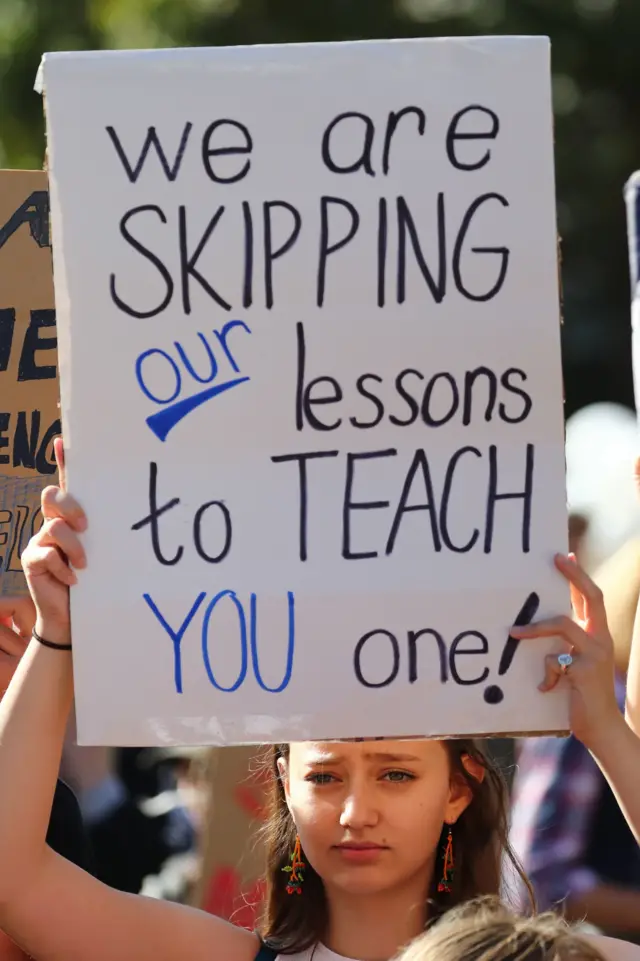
(295, 870)
(447, 865)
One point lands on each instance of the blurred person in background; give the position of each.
(138, 827)
(566, 826)
(601, 447)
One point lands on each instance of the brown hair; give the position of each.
(485, 930)
(292, 924)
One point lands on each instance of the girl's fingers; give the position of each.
(593, 598)
(58, 450)
(18, 614)
(552, 673)
(57, 533)
(57, 503)
(554, 627)
(577, 599)
(12, 643)
(40, 560)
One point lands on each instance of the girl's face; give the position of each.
(370, 814)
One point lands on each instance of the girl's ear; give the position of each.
(474, 768)
(283, 773)
(460, 797)
(460, 793)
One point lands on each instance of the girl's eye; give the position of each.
(399, 776)
(320, 778)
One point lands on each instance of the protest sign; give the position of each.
(29, 415)
(311, 387)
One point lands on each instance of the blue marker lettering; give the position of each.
(176, 638)
(165, 420)
(243, 641)
(143, 386)
(189, 366)
(222, 338)
(290, 645)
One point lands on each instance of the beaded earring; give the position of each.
(295, 870)
(444, 885)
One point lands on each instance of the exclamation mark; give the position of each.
(494, 694)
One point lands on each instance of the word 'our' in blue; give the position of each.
(175, 405)
(246, 645)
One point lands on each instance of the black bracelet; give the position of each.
(55, 647)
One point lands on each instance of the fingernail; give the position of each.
(515, 630)
(82, 524)
(73, 578)
(542, 687)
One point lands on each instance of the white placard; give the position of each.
(308, 322)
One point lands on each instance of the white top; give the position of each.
(318, 953)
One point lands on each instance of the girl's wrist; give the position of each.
(608, 738)
(53, 631)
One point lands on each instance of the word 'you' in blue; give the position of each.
(247, 638)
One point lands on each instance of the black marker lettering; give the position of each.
(171, 171)
(152, 517)
(350, 505)
(188, 263)
(457, 651)
(33, 342)
(363, 161)
(302, 469)
(421, 463)
(502, 252)
(395, 116)
(525, 495)
(395, 654)
(208, 151)
(148, 255)
(406, 226)
(327, 248)
(444, 503)
(454, 135)
(272, 254)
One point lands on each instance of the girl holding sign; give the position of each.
(367, 840)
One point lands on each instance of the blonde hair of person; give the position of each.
(485, 930)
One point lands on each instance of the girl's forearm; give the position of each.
(33, 718)
(617, 753)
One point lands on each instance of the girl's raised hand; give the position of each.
(589, 667)
(52, 554)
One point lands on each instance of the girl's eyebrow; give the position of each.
(326, 758)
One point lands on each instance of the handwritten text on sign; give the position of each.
(29, 416)
(331, 379)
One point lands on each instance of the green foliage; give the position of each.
(596, 67)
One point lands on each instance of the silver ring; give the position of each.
(565, 661)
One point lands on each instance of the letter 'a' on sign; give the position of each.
(308, 318)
